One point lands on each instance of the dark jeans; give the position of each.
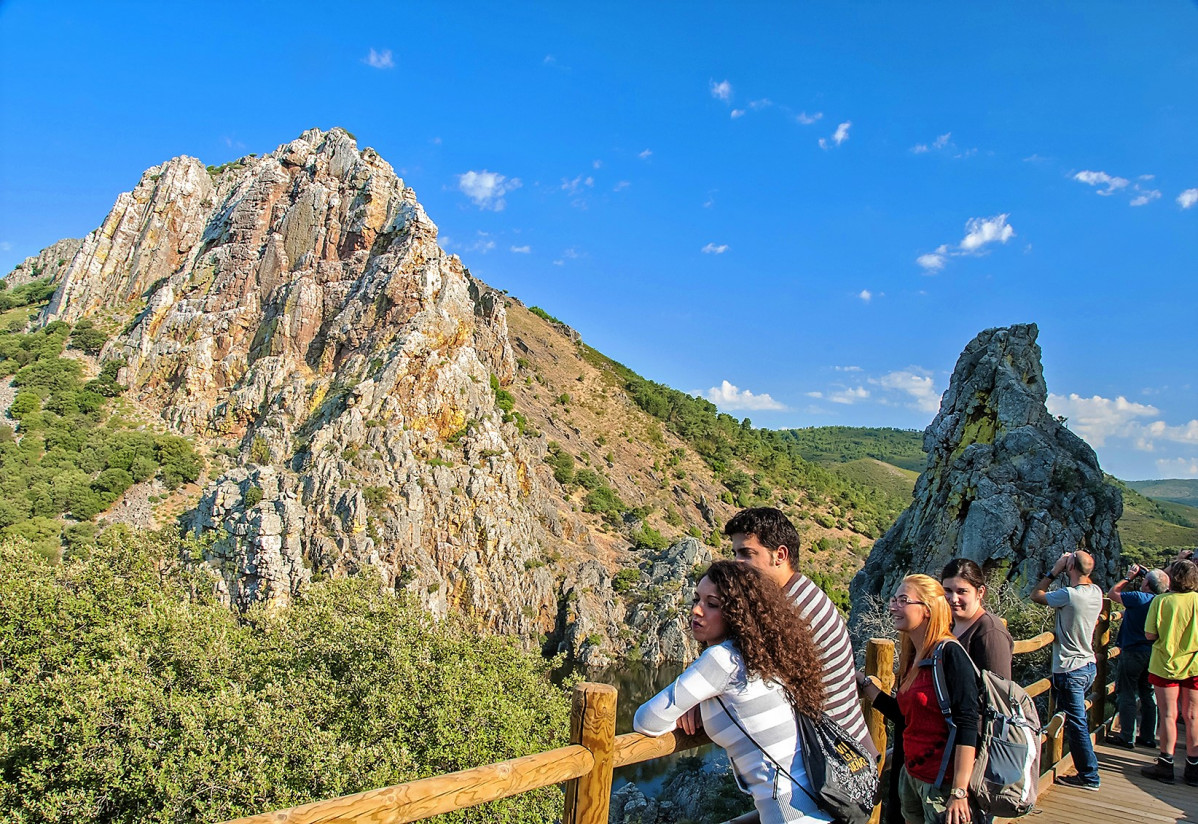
(1132, 683)
(1069, 690)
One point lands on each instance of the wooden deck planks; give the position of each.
(1126, 796)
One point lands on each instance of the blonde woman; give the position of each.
(922, 616)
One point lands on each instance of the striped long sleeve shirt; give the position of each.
(762, 709)
(835, 655)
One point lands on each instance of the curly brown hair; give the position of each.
(774, 640)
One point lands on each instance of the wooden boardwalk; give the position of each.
(1126, 796)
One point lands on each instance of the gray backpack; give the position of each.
(1007, 765)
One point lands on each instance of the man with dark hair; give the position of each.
(765, 538)
(1073, 663)
(1134, 651)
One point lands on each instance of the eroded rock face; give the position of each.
(50, 262)
(297, 307)
(1006, 484)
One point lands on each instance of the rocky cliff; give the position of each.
(50, 262)
(1006, 484)
(295, 311)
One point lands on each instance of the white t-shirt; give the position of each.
(1077, 615)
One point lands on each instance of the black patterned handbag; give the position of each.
(844, 774)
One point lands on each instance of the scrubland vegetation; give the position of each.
(70, 456)
(130, 694)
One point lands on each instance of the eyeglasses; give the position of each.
(904, 601)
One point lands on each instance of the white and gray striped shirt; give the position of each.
(762, 708)
(835, 651)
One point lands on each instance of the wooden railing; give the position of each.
(586, 764)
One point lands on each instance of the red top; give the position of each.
(926, 731)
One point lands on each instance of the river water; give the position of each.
(636, 684)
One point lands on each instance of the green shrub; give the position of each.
(252, 497)
(625, 580)
(130, 695)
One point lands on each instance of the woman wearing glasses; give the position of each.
(922, 616)
(748, 688)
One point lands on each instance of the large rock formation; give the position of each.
(1006, 484)
(296, 311)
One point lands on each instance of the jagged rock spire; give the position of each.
(1006, 484)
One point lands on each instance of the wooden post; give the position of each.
(879, 665)
(1102, 642)
(593, 725)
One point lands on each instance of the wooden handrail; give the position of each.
(440, 794)
(633, 748)
(1040, 641)
(586, 765)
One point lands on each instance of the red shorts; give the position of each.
(1190, 683)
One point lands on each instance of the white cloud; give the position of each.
(1145, 196)
(808, 119)
(487, 189)
(846, 368)
(549, 60)
(712, 249)
(596, 164)
(721, 90)
(839, 136)
(572, 186)
(1113, 184)
(981, 231)
(645, 155)
(865, 295)
(621, 186)
(736, 113)
(1178, 467)
(915, 384)
(571, 253)
(5, 246)
(758, 105)
(727, 396)
(1187, 198)
(931, 262)
(942, 141)
(521, 250)
(919, 148)
(482, 244)
(379, 60)
(1098, 418)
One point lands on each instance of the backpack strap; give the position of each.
(773, 761)
(940, 683)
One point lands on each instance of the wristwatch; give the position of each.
(958, 792)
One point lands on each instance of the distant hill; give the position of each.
(894, 482)
(1153, 530)
(841, 444)
(1177, 490)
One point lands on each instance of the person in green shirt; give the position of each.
(1172, 626)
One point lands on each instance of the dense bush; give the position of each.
(73, 459)
(129, 695)
(34, 292)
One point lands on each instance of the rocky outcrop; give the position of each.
(50, 262)
(1006, 484)
(295, 311)
(646, 612)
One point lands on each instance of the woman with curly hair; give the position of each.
(749, 687)
(933, 784)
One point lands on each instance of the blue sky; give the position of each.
(803, 211)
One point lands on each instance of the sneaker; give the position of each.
(1077, 781)
(1120, 741)
(1160, 770)
(1191, 774)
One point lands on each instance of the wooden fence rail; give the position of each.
(586, 765)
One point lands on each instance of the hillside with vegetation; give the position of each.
(1177, 490)
(1153, 530)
